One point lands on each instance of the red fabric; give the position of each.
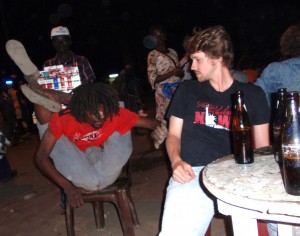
(84, 135)
(252, 75)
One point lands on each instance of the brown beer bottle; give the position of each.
(278, 123)
(241, 130)
(291, 145)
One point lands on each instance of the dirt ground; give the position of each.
(29, 204)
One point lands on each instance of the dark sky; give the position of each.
(110, 32)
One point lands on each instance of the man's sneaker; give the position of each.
(39, 99)
(18, 54)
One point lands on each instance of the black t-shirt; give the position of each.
(207, 118)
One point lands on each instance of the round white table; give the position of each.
(252, 191)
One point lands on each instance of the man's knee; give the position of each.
(118, 147)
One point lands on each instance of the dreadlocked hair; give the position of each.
(87, 98)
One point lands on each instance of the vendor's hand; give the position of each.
(74, 195)
(159, 134)
(178, 72)
(182, 172)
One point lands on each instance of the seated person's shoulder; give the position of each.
(191, 83)
(251, 88)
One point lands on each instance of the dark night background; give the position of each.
(110, 32)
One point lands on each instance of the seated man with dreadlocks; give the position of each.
(89, 141)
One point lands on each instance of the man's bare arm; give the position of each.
(43, 162)
(182, 171)
(146, 122)
(261, 135)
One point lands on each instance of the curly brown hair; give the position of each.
(214, 41)
(290, 42)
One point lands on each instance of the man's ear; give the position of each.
(216, 61)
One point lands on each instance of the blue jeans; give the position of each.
(95, 168)
(188, 209)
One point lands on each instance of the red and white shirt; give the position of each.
(84, 135)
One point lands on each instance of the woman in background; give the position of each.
(164, 72)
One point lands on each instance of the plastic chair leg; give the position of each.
(125, 214)
(70, 220)
(99, 214)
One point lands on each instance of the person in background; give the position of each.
(164, 72)
(239, 75)
(248, 64)
(61, 41)
(27, 110)
(185, 64)
(252, 74)
(21, 127)
(199, 130)
(128, 86)
(285, 73)
(6, 172)
(8, 114)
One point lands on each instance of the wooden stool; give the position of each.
(117, 193)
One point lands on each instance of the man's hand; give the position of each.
(159, 134)
(182, 172)
(74, 195)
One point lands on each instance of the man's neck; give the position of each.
(222, 80)
(64, 56)
(161, 47)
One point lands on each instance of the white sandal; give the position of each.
(18, 54)
(40, 99)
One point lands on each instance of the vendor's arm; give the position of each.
(182, 171)
(145, 122)
(261, 135)
(178, 72)
(45, 165)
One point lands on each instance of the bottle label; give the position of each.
(291, 151)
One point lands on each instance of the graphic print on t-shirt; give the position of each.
(87, 137)
(216, 117)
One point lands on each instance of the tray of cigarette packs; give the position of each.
(60, 77)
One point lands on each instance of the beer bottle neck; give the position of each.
(240, 116)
